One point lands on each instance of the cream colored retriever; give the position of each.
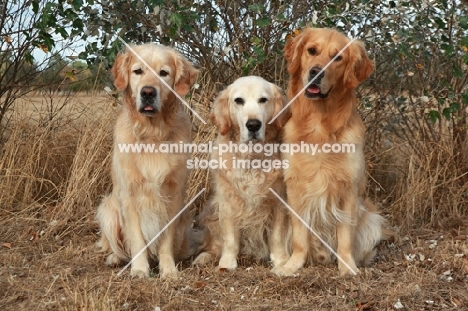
(148, 188)
(243, 216)
(327, 189)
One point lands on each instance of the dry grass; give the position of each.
(54, 167)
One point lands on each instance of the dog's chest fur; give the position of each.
(251, 184)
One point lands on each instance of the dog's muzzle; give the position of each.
(314, 91)
(148, 95)
(253, 125)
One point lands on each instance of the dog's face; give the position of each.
(247, 105)
(136, 75)
(310, 52)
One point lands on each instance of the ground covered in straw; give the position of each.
(426, 270)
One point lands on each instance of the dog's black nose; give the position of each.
(148, 92)
(253, 125)
(314, 72)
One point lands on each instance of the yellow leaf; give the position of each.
(294, 33)
(420, 66)
(71, 76)
(44, 48)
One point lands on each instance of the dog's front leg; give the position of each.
(345, 235)
(278, 241)
(300, 240)
(136, 241)
(230, 236)
(167, 267)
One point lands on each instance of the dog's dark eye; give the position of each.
(163, 73)
(239, 101)
(312, 51)
(337, 58)
(262, 100)
(138, 71)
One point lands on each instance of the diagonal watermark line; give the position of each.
(311, 81)
(313, 231)
(161, 79)
(160, 232)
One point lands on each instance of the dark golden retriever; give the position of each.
(327, 189)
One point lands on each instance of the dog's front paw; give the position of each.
(345, 270)
(169, 273)
(283, 271)
(139, 273)
(203, 259)
(278, 260)
(140, 269)
(113, 260)
(228, 262)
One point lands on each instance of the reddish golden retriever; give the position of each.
(148, 188)
(327, 189)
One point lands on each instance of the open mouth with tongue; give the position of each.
(314, 92)
(148, 110)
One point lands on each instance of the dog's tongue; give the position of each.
(148, 108)
(314, 89)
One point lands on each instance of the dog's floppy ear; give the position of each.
(280, 102)
(185, 76)
(359, 66)
(293, 52)
(220, 113)
(120, 70)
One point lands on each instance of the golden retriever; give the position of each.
(326, 190)
(243, 216)
(148, 187)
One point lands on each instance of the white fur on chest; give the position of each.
(251, 184)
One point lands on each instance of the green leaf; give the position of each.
(62, 32)
(457, 72)
(465, 98)
(464, 22)
(35, 7)
(83, 55)
(264, 21)
(448, 49)
(176, 19)
(48, 40)
(29, 58)
(434, 115)
(78, 25)
(258, 7)
(256, 41)
(439, 22)
(446, 112)
(77, 4)
(454, 107)
(70, 14)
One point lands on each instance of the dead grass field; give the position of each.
(54, 167)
